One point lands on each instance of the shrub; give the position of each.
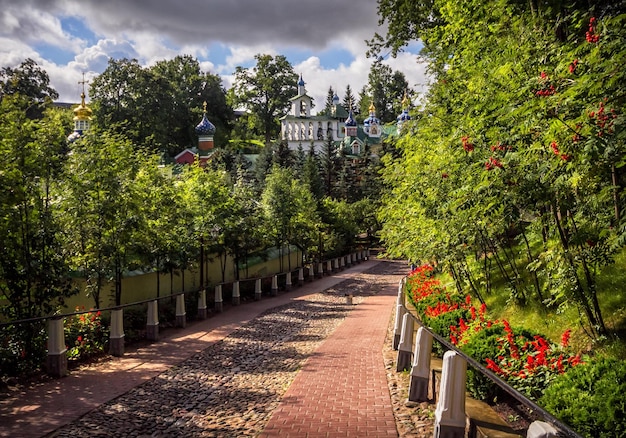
(481, 346)
(85, 335)
(591, 398)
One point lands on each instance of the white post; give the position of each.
(257, 289)
(116, 336)
(181, 314)
(236, 294)
(450, 411)
(203, 313)
(401, 293)
(397, 327)
(274, 290)
(152, 326)
(405, 349)
(320, 269)
(342, 262)
(347, 257)
(219, 302)
(57, 356)
(329, 268)
(335, 265)
(420, 372)
(288, 283)
(300, 276)
(541, 429)
(311, 273)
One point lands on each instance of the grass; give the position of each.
(552, 322)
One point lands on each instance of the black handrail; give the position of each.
(498, 381)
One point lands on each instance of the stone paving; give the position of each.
(232, 387)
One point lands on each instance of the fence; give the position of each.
(251, 288)
(450, 414)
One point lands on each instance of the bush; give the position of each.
(483, 345)
(85, 335)
(591, 398)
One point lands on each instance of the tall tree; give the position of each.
(30, 81)
(34, 274)
(349, 101)
(386, 88)
(266, 91)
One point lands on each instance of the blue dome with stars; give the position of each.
(350, 120)
(404, 116)
(205, 127)
(301, 81)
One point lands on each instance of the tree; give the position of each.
(329, 166)
(328, 105)
(265, 91)
(386, 88)
(31, 82)
(349, 101)
(289, 211)
(516, 139)
(34, 275)
(103, 210)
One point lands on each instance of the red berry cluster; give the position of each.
(444, 175)
(499, 147)
(590, 35)
(555, 149)
(573, 65)
(547, 89)
(492, 163)
(603, 120)
(467, 146)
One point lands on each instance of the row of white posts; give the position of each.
(56, 362)
(450, 418)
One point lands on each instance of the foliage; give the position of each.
(265, 91)
(511, 173)
(84, 334)
(32, 83)
(591, 398)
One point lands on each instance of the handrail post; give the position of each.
(202, 309)
(397, 327)
(274, 289)
(288, 283)
(420, 372)
(329, 267)
(311, 273)
(236, 294)
(181, 314)
(320, 269)
(300, 276)
(342, 263)
(257, 289)
(405, 349)
(56, 362)
(116, 337)
(450, 411)
(152, 326)
(541, 429)
(219, 301)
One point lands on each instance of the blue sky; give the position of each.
(323, 39)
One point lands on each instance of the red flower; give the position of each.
(573, 65)
(565, 338)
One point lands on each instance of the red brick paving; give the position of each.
(344, 382)
(342, 389)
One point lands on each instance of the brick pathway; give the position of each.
(342, 390)
(344, 382)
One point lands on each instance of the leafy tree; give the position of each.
(34, 275)
(515, 140)
(265, 91)
(386, 88)
(31, 82)
(102, 209)
(289, 211)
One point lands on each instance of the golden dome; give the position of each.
(372, 109)
(82, 111)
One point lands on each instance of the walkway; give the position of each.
(231, 372)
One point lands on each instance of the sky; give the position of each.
(324, 40)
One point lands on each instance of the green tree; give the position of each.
(102, 210)
(265, 91)
(34, 275)
(349, 101)
(31, 82)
